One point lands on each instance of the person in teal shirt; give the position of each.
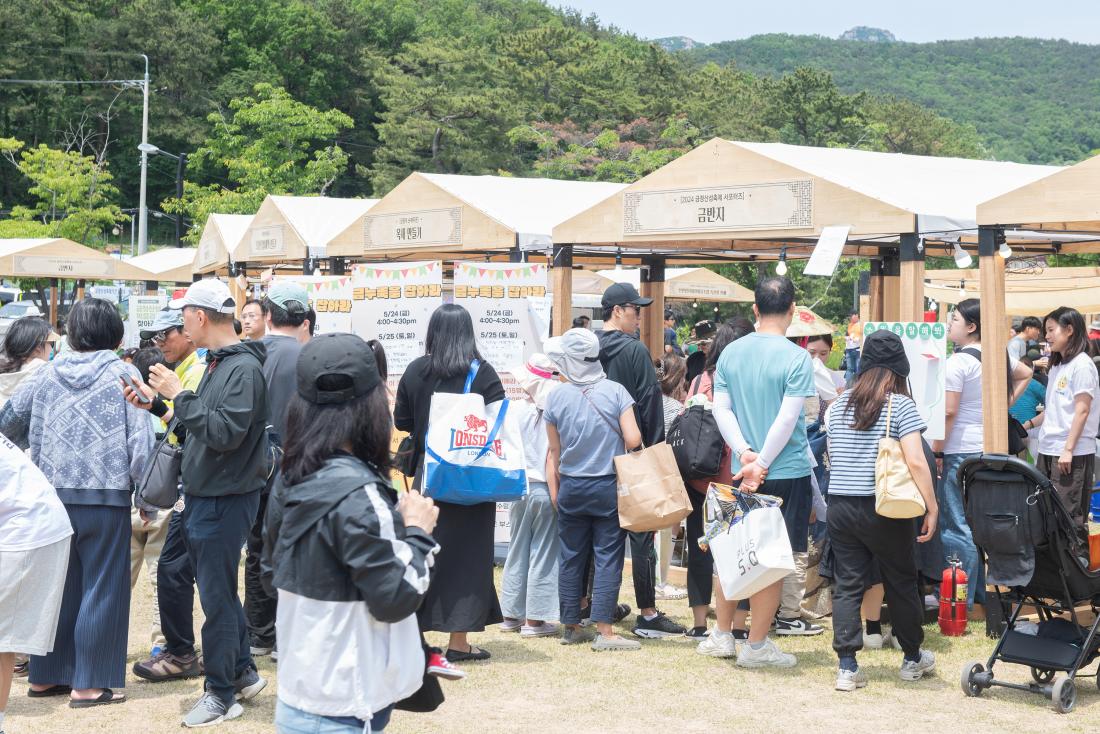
(1027, 405)
(760, 386)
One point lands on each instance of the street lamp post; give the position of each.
(148, 149)
(143, 209)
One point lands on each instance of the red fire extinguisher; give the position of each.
(953, 599)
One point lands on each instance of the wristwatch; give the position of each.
(742, 452)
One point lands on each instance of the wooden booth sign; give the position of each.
(266, 241)
(777, 205)
(64, 267)
(414, 229)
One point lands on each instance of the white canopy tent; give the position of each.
(168, 264)
(221, 237)
(686, 284)
(290, 228)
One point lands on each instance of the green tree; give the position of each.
(73, 194)
(272, 144)
(903, 126)
(807, 108)
(444, 112)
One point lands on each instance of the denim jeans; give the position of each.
(529, 587)
(588, 526)
(289, 720)
(851, 365)
(957, 539)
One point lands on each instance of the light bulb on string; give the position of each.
(962, 288)
(781, 266)
(619, 259)
(695, 304)
(962, 257)
(1004, 250)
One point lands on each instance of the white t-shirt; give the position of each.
(964, 376)
(1065, 382)
(31, 515)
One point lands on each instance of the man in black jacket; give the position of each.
(627, 362)
(226, 461)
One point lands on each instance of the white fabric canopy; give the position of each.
(944, 193)
(317, 219)
(528, 206)
(168, 263)
(686, 284)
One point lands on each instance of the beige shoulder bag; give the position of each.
(896, 493)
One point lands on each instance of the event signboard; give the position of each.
(414, 229)
(507, 302)
(775, 205)
(926, 348)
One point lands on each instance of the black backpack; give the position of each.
(696, 443)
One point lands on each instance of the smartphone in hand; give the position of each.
(136, 386)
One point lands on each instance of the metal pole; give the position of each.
(181, 165)
(131, 234)
(143, 209)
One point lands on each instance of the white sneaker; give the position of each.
(546, 629)
(718, 645)
(878, 642)
(767, 656)
(916, 670)
(511, 625)
(669, 592)
(850, 680)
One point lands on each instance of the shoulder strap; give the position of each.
(607, 420)
(976, 354)
(889, 411)
(471, 375)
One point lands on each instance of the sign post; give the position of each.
(926, 349)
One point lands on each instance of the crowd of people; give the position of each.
(284, 446)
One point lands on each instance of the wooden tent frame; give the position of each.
(884, 232)
(1064, 203)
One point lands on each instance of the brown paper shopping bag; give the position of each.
(651, 492)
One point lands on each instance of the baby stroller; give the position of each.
(1036, 557)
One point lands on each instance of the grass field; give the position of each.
(540, 686)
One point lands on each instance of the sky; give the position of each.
(709, 21)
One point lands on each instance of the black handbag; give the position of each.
(405, 458)
(160, 482)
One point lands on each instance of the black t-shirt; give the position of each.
(281, 375)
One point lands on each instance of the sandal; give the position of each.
(475, 653)
(107, 697)
(58, 690)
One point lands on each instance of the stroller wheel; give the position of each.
(1063, 694)
(970, 686)
(1042, 675)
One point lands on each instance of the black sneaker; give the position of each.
(740, 635)
(622, 611)
(697, 633)
(794, 627)
(658, 627)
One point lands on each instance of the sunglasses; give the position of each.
(161, 336)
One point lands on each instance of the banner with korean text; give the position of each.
(508, 303)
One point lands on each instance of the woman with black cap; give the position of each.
(879, 402)
(350, 563)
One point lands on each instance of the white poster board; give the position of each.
(143, 311)
(393, 304)
(388, 302)
(507, 302)
(502, 525)
(926, 348)
(827, 251)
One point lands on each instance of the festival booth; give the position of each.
(685, 284)
(221, 236)
(59, 259)
(1031, 288)
(1060, 214)
(729, 200)
(168, 264)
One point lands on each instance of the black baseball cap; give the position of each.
(334, 368)
(621, 294)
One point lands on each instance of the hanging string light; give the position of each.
(781, 266)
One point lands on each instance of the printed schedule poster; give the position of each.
(393, 303)
(331, 299)
(143, 312)
(926, 348)
(504, 301)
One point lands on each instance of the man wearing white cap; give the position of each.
(226, 461)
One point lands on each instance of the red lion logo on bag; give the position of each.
(473, 423)
(474, 436)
